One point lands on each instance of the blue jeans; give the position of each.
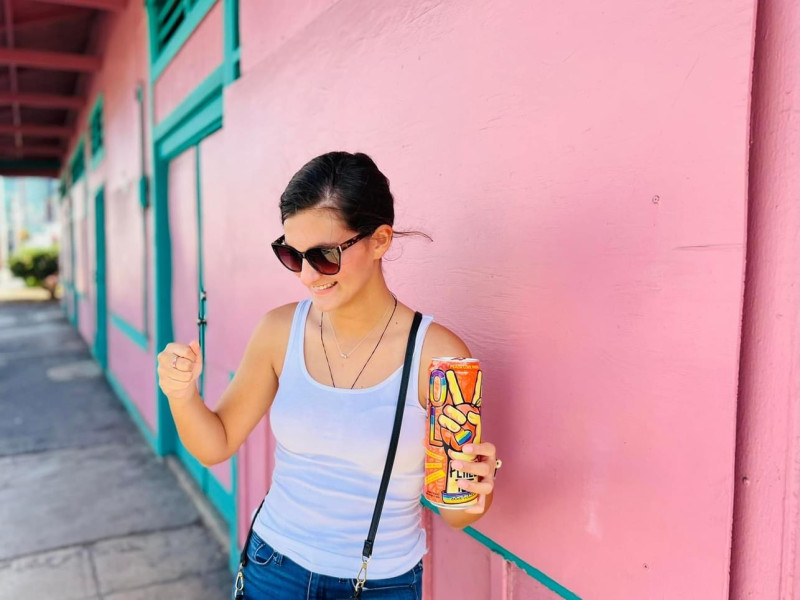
(270, 575)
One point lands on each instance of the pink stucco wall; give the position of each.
(196, 60)
(219, 264)
(123, 44)
(582, 169)
(83, 231)
(766, 528)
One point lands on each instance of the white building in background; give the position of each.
(28, 214)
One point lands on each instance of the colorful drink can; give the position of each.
(454, 419)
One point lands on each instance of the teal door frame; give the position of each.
(100, 349)
(197, 117)
(198, 472)
(74, 280)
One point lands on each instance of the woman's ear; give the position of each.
(381, 240)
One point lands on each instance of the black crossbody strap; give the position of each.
(398, 421)
(387, 470)
(243, 555)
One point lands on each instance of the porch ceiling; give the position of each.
(48, 54)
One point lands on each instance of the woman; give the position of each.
(328, 370)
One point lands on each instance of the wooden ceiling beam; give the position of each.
(37, 130)
(109, 5)
(43, 100)
(56, 61)
(38, 151)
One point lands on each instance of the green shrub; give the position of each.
(37, 266)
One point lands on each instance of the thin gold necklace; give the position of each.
(349, 354)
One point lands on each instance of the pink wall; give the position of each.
(123, 44)
(83, 230)
(588, 165)
(219, 265)
(196, 60)
(766, 548)
(588, 168)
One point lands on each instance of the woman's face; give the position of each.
(322, 227)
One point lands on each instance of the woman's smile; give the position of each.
(324, 288)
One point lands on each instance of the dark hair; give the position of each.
(350, 184)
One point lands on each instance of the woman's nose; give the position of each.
(308, 275)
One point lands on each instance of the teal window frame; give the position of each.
(96, 133)
(77, 163)
(171, 24)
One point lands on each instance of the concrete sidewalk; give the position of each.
(87, 511)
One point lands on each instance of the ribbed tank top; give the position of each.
(329, 458)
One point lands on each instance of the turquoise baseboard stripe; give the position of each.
(511, 557)
(233, 556)
(136, 336)
(131, 408)
(221, 498)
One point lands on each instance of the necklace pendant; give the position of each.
(343, 355)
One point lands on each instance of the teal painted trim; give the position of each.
(97, 159)
(96, 154)
(152, 48)
(78, 153)
(131, 408)
(221, 498)
(193, 466)
(74, 307)
(183, 33)
(205, 122)
(209, 90)
(234, 554)
(200, 263)
(162, 257)
(145, 257)
(511, 557)
(167, 434)
(136, 336)
(144, 201)
(101, 304)
(233, 522)
(232, 51)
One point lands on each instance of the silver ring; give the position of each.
(175, 362)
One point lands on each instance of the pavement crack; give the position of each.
(93, 566)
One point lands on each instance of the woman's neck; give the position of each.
(359, 316)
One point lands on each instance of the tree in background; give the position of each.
(38, 267)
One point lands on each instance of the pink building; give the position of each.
(613, 191)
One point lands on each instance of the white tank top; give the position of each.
(329, 459)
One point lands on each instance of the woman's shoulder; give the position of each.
(272, 334)
(275, 326)
(441, 341)
(280, 316)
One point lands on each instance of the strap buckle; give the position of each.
(239, 582)
(362, 574)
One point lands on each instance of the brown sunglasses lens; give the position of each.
(323, 261)
(289, 258)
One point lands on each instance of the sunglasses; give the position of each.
(325, 260)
